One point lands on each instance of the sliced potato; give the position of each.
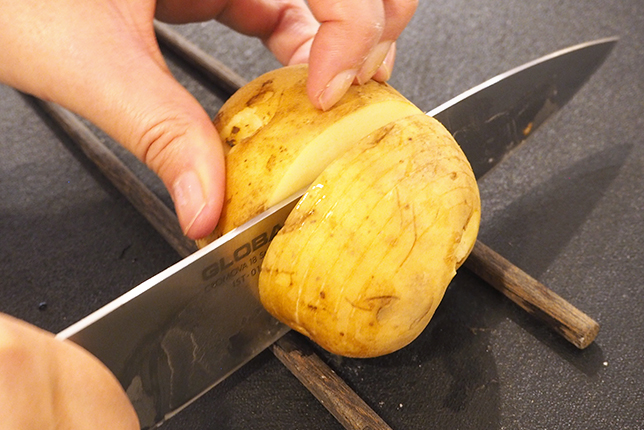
(393, 210)
(366, 256)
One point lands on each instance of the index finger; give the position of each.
(353, 40)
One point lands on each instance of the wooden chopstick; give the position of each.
(212, 69)
(338, 398)
(538, 300)
(531, 295)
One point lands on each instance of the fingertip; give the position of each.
(198, 197)
(192, 167)
(386, 68)
(204, 222)
(335, 89)
(374, 61)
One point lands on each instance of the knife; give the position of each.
(181, 332)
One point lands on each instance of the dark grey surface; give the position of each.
(568, 208)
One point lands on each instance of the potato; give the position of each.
(392, 209)
(277, 143)
(364, 259)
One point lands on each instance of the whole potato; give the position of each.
(391, 211)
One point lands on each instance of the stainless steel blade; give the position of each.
(181, 332)
(495, 117)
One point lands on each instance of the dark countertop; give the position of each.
(568, 208)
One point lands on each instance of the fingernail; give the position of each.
(374, 60)
(384, 71)
(336, 88)
(188, 198)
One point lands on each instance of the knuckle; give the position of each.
(160, 141)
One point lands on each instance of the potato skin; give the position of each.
(265, 125)
(365, 258)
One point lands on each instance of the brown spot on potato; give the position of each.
(375, 303)
(266, 88)
(298, 219)
(271, 162)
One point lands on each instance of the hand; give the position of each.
(47, 384)
(101, 60)
(355, 40)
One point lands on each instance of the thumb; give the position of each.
(101, 60)
(171, 133)
(154, 117)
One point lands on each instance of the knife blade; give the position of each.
(492, 119)
(181, 332)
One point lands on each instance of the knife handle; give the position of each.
(531, 295)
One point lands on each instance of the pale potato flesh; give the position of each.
(365, 258)
(334, 141)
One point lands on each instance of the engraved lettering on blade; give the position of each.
(239, 254)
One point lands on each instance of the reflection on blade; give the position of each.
(181, 332)
(495, 117)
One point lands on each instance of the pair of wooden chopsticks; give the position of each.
(295, 353)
